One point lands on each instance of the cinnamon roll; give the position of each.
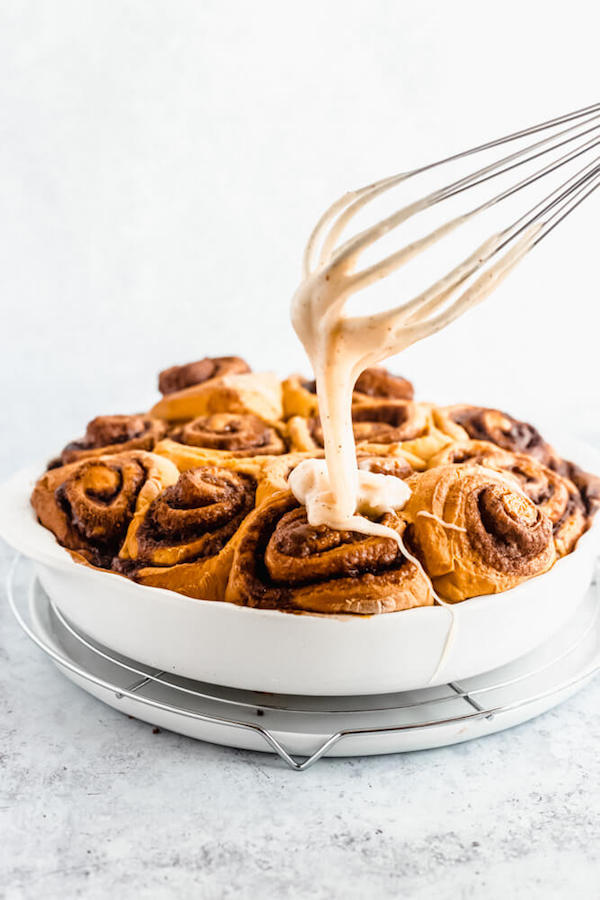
(587, 484)
(282, 562)
(177, 378)
(382, 426)
(475, 531)
(221, 384)
(182, 540)
(89, 504)
(300, 394)
(269, 472)
(299, 397)
(232, 434)
(112, 434)
(399, 466)
(481, 424)
(555, 495)
(379, 384)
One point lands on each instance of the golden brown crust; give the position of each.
(114, 434)
(478, 423)
(177, 378)
(587, 484)
(382, 428)
(181, 540)
(503, 538)
(555, 495)
(257, 393)
(299, 397)
(209, 512)
(269, 472)
(379, 384)
(398, 466)
(89, 504)
(282, 562)
(232, 433)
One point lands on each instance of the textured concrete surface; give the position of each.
(93, 804)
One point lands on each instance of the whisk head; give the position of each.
(531, 180)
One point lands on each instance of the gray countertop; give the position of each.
(95, 804)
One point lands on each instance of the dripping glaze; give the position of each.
(340, 347)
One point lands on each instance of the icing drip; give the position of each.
(377, 495)
(340, 347)
(428, 515)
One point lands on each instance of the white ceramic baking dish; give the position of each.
(266, 650)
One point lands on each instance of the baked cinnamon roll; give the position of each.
(383, 426)
(299, 397)
(475, 531)
(300, 394)
(113, 434)
(587, 484)
(89, 504)
(462, 422)
(232, 434)
(398, 466)
(282, 562)
(379, 384)
(269, 472)
(222, 384)
(555, 495)
(181, 539)
(177, 378)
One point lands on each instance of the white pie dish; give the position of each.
(266, 650)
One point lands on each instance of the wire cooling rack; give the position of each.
(301, 730)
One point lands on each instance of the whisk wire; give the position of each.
(329, 259)
(337, 217)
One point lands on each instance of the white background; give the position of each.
(162, 163)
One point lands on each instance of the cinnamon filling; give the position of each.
(205, 506)
(549, 491)
(378, 423)
(378, 382)
(137, 432)
(588, 485)
(240, 434)
(177, 378)
(501, 429)
(505, 528)
(385, 465)
(104, 431)
(99, 500)
(299, 553)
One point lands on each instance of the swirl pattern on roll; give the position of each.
(192, 519)
(482, 424)
(397, 466)
(380, 384)
(112, 434)
(177, 378)
(89, 504)
(238, 435)
(499, 539)
(586, 483)
(282, 562)
(555, 495)
(380, 423)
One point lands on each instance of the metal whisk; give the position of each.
(331, 264)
